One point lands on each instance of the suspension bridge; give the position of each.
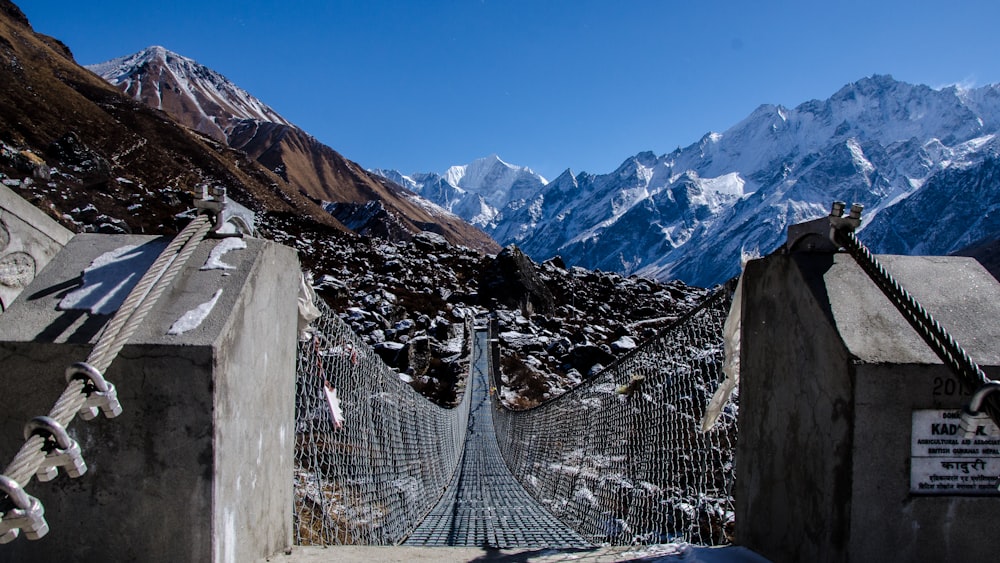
(620, 459)
(210, 433)
(484, 504)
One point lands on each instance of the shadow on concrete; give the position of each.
(108, 282)
(545, 553)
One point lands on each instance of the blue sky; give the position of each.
(549, 84)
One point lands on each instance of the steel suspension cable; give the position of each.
(121, 327)
(936, 337)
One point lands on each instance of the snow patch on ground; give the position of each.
(214, 261)
(193, 318)
(694, 554)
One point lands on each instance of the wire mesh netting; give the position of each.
(622, 459)
(485, 506)
(372, 456)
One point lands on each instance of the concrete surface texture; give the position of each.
(199, 465)
(606, 554)
(831, 374)
(28, 240)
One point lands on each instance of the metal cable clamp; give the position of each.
(973, 414)
(820, 235)
(20, 511)
(212, 202)
(60, 450)
(101, 394)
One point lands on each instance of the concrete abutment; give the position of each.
(836, 390)
(198, 467)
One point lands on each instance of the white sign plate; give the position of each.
(945, 460)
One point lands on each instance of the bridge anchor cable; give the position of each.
(47, 446)
(836, 231)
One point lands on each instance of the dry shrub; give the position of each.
(530, 384)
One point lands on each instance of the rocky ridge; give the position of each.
(409, 300)
(690, 213)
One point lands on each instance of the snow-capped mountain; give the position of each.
(687, 214)
(476, 191)
(496, 181)
(207, 101)
(877, 142)
(204, 100)
(904, 151)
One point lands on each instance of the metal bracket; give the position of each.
(819, 235)
(27, 513)
(213, 201)
(60, 449)
(101, 394)
(972, 414)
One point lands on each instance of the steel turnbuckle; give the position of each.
(973, 416)
(101, 394)
(60, 450)
(20, 511)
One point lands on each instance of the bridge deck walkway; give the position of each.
(484, 505)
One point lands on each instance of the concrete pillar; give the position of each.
(831, 379)
(199, 465)
(28, 240)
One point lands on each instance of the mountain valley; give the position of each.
(98, 161)
(583, 268)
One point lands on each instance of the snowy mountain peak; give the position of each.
(690, 213)
(123, 66)
(476, 191)
(158, 52)
(488, 170)
(875, 84)
(163, 79)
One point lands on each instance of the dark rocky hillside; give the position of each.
(409, 300)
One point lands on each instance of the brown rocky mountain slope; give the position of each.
(206, 101)
(76, 147)
(97, 160)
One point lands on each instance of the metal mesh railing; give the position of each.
(368, 474)
(622, 458)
